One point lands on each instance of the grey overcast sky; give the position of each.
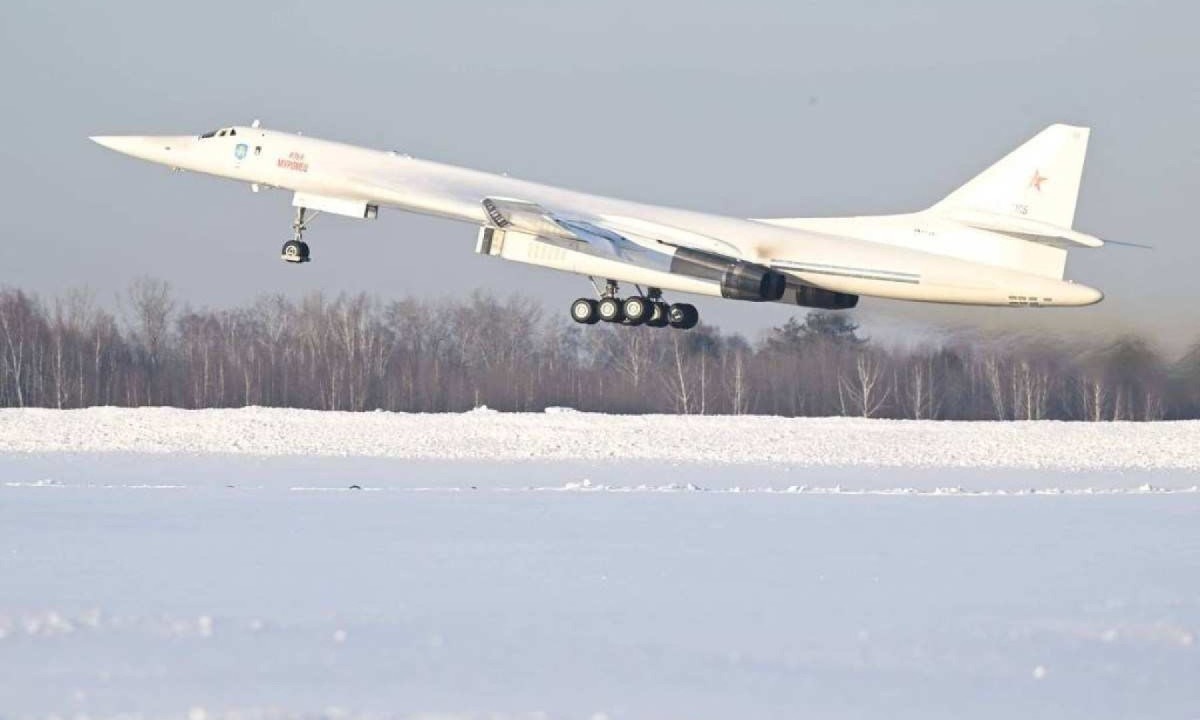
(753, 108)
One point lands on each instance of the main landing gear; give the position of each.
(648, 309)
(296, 250)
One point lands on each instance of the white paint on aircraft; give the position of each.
(1000, 239)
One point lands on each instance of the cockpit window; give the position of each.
(219, 133)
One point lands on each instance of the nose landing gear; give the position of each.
(296, 250)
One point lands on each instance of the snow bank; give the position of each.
(490, 436)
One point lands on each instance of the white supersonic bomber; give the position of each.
(1000, 239)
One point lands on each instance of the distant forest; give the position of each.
(418, 355)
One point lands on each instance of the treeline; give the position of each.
(418, 355)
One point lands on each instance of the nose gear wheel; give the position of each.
(295, 251)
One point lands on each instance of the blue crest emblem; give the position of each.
(240, 151)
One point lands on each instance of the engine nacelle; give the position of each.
(809, 296)
(739, 280)
(747, 281)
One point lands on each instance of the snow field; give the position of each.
(559, 435)
(218, 565)
(270, 601)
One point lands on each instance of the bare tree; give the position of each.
(19, 320)
(151, 304)
(737, 386)
(355, 353)
(918, 388)
(864, 387)
(676, 378)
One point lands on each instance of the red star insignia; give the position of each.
(1036, 181)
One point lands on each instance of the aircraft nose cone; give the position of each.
(161, 149)
(108, 141)
(128, 144)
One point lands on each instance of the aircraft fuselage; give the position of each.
(921, 256)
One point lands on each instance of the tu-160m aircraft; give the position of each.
(1000, 239)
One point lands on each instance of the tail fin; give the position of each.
(1038, 181)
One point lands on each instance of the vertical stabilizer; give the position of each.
(1038, 181)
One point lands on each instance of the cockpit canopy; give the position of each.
(223, 132)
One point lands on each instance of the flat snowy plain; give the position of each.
(216, 564)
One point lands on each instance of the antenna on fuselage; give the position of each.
(256, 124)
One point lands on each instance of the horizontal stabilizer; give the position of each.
(1025, 229)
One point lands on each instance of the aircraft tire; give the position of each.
(583, 311)
(659, 317)
(294, 251)
(684, 316)
(609, 310)
(636, 310)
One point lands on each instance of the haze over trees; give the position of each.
(419, 355)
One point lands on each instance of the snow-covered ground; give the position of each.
(161, 563)
(560, 434)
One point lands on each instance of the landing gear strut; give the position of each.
(296, 250)
(648, 309)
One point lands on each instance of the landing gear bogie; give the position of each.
(642, 309)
